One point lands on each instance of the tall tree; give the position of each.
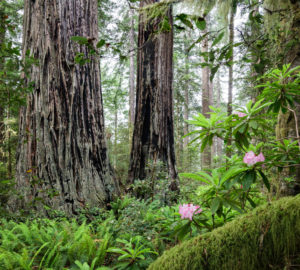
(285, 48)
(186, 96)
(62, 155)
(230, 78)
(153, 137)
(2, 59)
(131, 71)
(206, 102)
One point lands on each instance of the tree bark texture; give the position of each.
(153, 136)
(62, 148)
(206, 155)
(2, 59)
(186, 96)
(230, 78)
(289, 21)
(131, 72)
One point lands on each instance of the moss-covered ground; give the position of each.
(266, 238)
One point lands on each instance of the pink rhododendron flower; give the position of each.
(250, 158)
(188, 210)
(240, 114)
(260, 158)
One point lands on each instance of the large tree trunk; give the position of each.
(284, 51)
(153, 137)
(62, 146)
(206, 155)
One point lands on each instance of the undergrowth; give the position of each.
(266, 238)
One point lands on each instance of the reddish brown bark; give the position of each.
(153, 137)
(62, 146)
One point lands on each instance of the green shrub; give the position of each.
(266, 238)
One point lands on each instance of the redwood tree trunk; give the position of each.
(186, 97)
(62, 155)
(230, 79)
(206, 155)
(2, 114)
(153, 136)
(131, 72)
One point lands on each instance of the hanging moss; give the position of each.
(266, 238)
(155, 11)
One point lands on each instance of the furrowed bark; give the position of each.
(153, 136)
(62, 157)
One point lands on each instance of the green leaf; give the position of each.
(200, 23)
(265, 179)
(165, 25)
(232, 172)
(253, 204)
(80, 40)
(218, 39)
(101, 43)
(253, 124)
(248, 179)
(183, 18)
(204, 178)
(215, 205)
(204, 143)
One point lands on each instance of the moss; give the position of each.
(266, 238)
(282, 19)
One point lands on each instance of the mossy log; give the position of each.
(266, 238)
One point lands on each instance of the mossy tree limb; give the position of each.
(266, 238)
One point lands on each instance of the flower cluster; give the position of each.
(240, 114)
(188, 210)
(250, 158)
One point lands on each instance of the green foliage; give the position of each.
(46, 244)
(132, 254)
(267, 237)
(281, 88)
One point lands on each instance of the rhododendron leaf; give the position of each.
(253, 204)
(194, 177)
(248, 179)
(232, 172)
(253, 124)
(265, 179)
(215, 205)
(204, 143)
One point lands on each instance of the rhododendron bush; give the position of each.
(189, 210)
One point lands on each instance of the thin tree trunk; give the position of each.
(179, 152)
(230, 79)
(153, 136)
(116, 104)
(186, 98)
(206, 155)
(219, 97)
(2, 39)
(62, 144)
(211, 103)
(131, 73)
